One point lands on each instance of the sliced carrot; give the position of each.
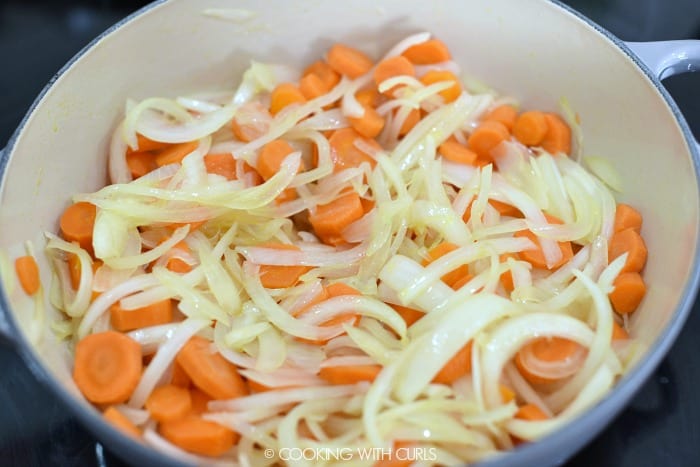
(412, 120)
(505, 209)
(630, 242)
(119, 420)
(628, 292)
(548, 349)
(536, 256)
(486, 137)
(345, 154)
(175, 153)
(456, 152)
(461, 282)
(369, 125)
(369, 97)
(283, 95)
(209, 371)
(146, 144)
(221, 164)
(558, 137)
(279, 277)
(328, 76)
(506, 114)
(199, 436)
(437, 252)
(339, 289)
(618, 332)
(74, 270)
(176, 264)
(428, 52)
(530, 412)
(168, 403)
(409, 315)
(250, 128)
(141, 163)
(154, 314)
(200, 401)
(348, 61)
(403, 454)
(28, 274)
(329, 220)
(318, 298)
(107, 367)
(390, 68)
(436, 76)
(271, 157)
(507, 277)
(626, 217)
(367, 204)
(459, 365)
(312, 86)
(180, 378)
(530, 128)
(77, 223)
(507, 394)
(349, 374)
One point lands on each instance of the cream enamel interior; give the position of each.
(174, 49)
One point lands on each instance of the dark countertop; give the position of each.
(660, 427)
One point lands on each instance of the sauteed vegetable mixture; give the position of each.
(367, 253)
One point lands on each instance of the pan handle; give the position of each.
(668, 58)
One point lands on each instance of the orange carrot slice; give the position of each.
(530, 128)
(175, 153)
(505, 114)
(437, 252)
(626, 217)
(107, 367)
(127, 320)
(168, 403)
(331, 219)
(630, 242)
(221, 164)
(28, 274)
(557, 140)
(536, 256)
(119, 420)
(328, 76)
(530, 412)
(199, 436)
(390, 68)
(284, 95)
(486, 137)
(628, 292)
(141, 163)
(349, 374)
(456, 152)
(77, 224)
(435, 76)
(548, 349)
(279, 277)
(409, 315)
(369, 125)
(345, 154)
(428, 52)
(459, 365)
(348, 61)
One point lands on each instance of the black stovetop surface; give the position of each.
(660, 427)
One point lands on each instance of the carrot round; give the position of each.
(312, 86)
(461, 282)
(329, 220)
(28, 274)
(459, 365)
(180, 378)
(77, 224)
(630, 242)
(283, 95)
(175, 153)
(409, 315)
(436, 76)
(487, 136)
(506, 114)
(368, 97)
(141, 163)
(199, 436)
(369, 125)
(530, 128)
(411, 120)
(618, 332)
(530, 412)
(107, 367)
(147, 144)
(558, 137)
(626, 217)
(456, 152)
(548, 349)
(345, 154)
(437, 252)
(127, 320)
(506, 278)
(505, 209)
(120, 421)
(428, 52)
(168, 403)
(74, 270)
(349, 374)
(200, 401)
(536, 256)
(507, 394)
(348, 61)
(629, 290)
(328, 76)
(221, 164)
(271, 157)
(278, 277)
(390, 68)
(209, 371)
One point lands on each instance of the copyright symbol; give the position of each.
(269, 453)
